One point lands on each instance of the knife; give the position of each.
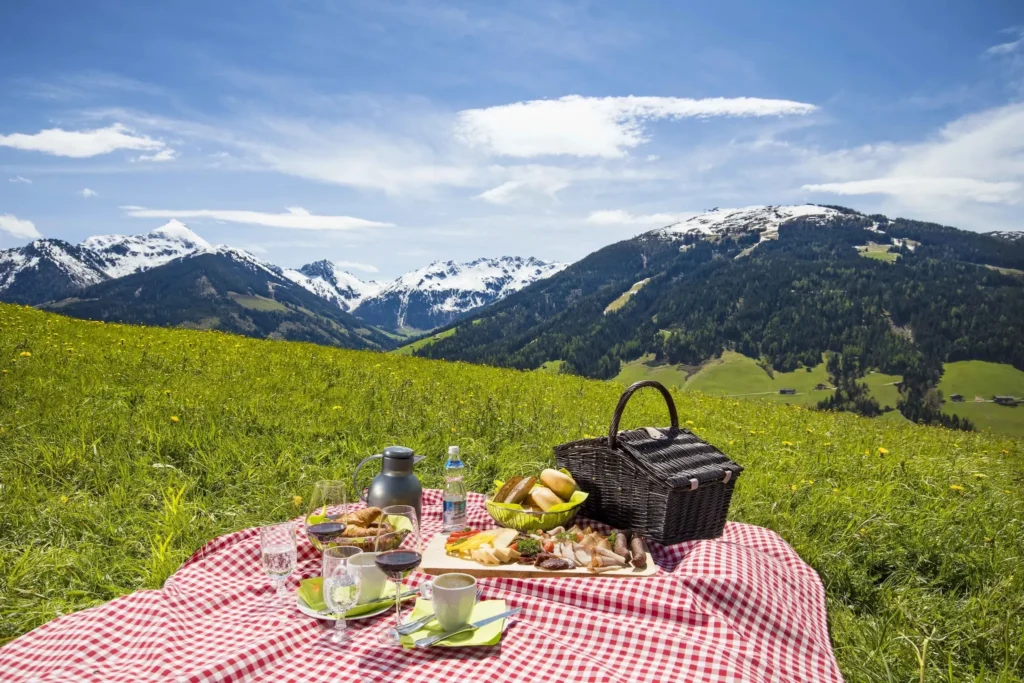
(431, 640)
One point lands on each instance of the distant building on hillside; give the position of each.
(820, 387)
(787, 391)
(1005, 400)
(957, 398)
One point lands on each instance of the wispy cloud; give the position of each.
(977, 158)
(596, 126)
(365, 267)
(163, 155)
(1009, 47)
(295, 218)
(19, 179)
(620, 217)
(18, 227)
(87, 193)
(81, 143)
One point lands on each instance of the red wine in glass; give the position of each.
(325, 532)
(396, 564)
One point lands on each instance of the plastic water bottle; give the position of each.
(454, 513)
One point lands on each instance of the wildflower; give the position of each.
(63, 499)
(828, 443)
(335, 407)
(25, 354)
(731, 441)
(689, 422)
(979, 475)
(835, 490)
(453, 430)
(883, 451)
(1007, 491)
(810, 431)
(1006, 452)
(296, 501)
(793, 487)
(956, 487)
(988, 540)
(787, 443)
(174, 419)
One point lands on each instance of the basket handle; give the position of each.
(624, 399)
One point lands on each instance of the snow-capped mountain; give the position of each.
(437, 294)
(326, 280)
(122, 255)
(49, 270)
(46, 269)
(763, 219)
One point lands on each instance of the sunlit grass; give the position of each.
(916, 532)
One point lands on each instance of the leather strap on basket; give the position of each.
(624, 399)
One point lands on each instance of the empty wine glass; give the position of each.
(340, 588)
(277, 551)
(327, 509)
(399, 551)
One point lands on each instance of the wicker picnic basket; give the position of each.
(666, 483)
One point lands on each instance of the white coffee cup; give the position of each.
(372, 579)
(453, 596)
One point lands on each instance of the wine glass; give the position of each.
(340, 588)
(277, 551)
(327, 509)
(399, 551)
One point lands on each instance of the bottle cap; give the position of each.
(453, 450)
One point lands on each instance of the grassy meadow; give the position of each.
(122, 450)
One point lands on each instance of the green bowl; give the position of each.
(530, 520)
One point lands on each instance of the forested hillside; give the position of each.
(785, 300)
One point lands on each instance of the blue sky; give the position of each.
(390, 134)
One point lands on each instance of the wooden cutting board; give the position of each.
(436, 561)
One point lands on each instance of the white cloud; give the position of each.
(977, 158)
(620, 217)
(87, 193)
(596, 126)
(19, 179)
(167, 154)
(365, 267)
(967, 188)
(18, 227)
(1010, 47)
(80, 144)
(295, 218)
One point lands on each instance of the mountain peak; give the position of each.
(176, 230)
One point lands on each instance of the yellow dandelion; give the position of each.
(454, 430)
(175, 419)
(689, 422)
(335, 407)
(787, 443)
(296, 501)
(883, 451)
(956, 487)
(731, 441)
(793, 487)
(835, 490)
(867, 452)
(862, 531)
(1007, 491)
(63, 499)
(988, 540)
(25, 354)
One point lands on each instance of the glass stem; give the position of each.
(398, 603)
(339, 626)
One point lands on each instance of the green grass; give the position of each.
(104, 494)
(257, 303)
(553, 367)
(625, 296)
(973, 378)
(879, 252)
(408, 349)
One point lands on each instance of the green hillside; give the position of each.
(123, 449)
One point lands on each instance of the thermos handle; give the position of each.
(355, 474)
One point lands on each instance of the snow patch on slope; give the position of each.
(765, 219)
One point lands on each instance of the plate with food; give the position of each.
(574, 551)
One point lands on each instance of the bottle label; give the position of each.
(454, 512)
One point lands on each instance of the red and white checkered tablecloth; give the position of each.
(743, 607)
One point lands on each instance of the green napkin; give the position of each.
(485, 635)
(311, 593)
